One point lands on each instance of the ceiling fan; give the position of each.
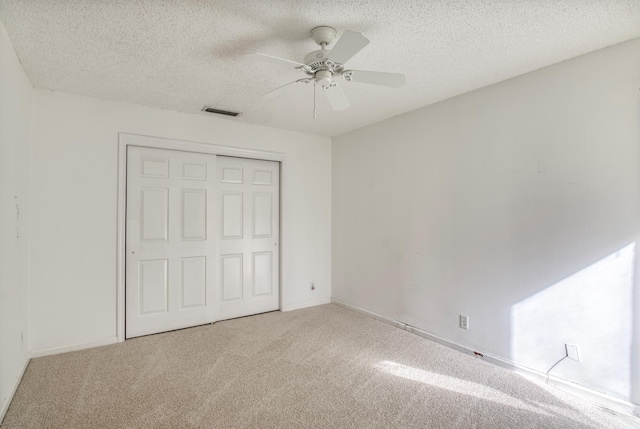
(323, 66)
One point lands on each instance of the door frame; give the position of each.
(128, 139)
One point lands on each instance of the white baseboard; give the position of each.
(601, 399)
(64, 349)
(298, 306)
(16, 383)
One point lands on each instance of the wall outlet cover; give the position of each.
(464, 322)
(573, 352)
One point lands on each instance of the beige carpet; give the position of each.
(322, 367)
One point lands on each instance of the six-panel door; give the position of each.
(202, 239)
(170, 240)
(248, 268)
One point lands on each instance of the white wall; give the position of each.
(517, 205)
(74, 186)
(15, 141)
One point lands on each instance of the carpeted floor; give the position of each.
(321, 367)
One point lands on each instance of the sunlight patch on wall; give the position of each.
(592, 308)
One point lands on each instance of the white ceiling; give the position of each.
(182, 55)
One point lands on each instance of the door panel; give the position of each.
(194, 214)
(153, 286)
(262, 215)
(171, 245)
(193, 281)
(262, 275)
(154, 210)
(232, 277)
(232, 215)
(232, 174)
(249, 228)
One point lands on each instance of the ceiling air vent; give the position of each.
(220, 112)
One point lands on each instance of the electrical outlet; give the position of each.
(573, 352)
(313, 286)
(464, 322)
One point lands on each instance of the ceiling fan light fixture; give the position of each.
(324, 78)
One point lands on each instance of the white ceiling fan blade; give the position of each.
(336, 96)
(349, 44)
(306, 80)
(392, 80)
(276, 60)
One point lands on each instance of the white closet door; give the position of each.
(248, 222)
(171, 243)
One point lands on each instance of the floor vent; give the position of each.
(220, 112)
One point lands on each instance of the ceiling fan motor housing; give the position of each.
(316, 58)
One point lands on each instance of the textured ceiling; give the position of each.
(182, 55)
